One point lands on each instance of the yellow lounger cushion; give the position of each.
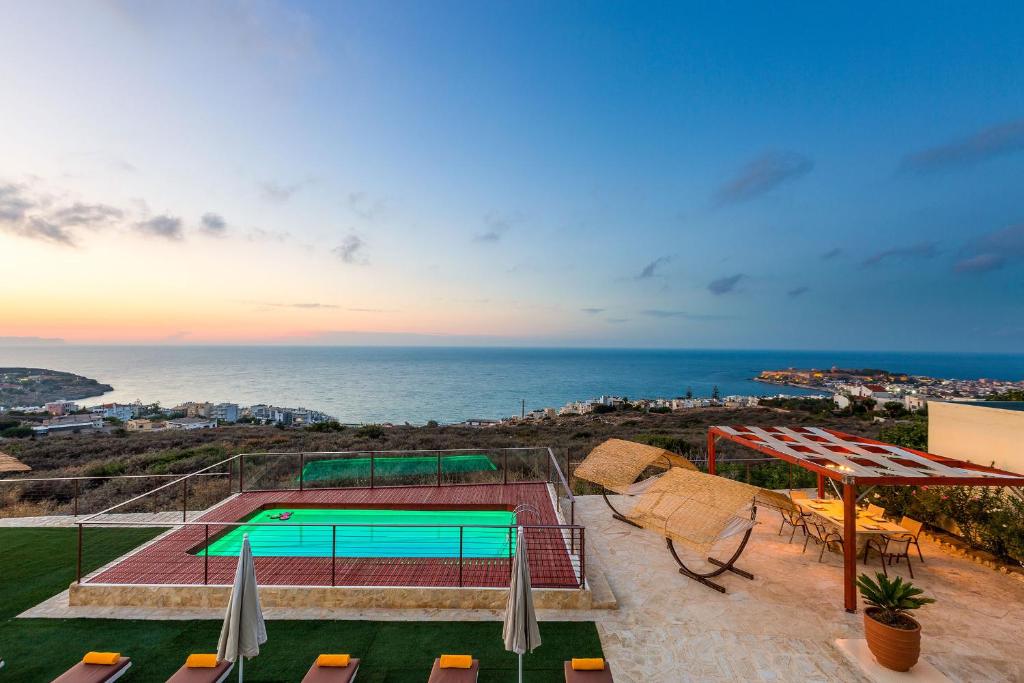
(592, 664)
(456, 661)
(108, 658)
(332, 660)
(201, 662)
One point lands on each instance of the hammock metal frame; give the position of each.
(727, 566)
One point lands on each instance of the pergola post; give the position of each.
(821, 485)
(849, 544)
(712, 469)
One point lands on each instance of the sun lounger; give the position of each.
(439, 675)
(332, 674)
(203, 674)
(602, 676)
(95, 673)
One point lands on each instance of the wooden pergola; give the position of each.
(856, 461)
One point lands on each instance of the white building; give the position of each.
(119, 411)
(914, 402)
(190, 423)
(224, 412)
(70, 423)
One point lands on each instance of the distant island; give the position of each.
(36, 386)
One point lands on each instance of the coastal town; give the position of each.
(884, 386)
(70, 417)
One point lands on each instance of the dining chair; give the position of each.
(795, 518)
(913, 535)
(824, 535)
(875, 510)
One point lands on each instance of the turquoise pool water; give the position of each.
(373, 535)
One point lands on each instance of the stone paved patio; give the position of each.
(779, 627)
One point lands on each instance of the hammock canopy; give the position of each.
(616, 464)
(694, 508)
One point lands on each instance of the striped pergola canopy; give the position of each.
(859, 460)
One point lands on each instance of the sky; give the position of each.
(514, 173)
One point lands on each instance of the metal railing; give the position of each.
(328, 554)
(81, 495)
(557, 550)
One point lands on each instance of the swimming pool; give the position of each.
(373, 533)
(351, 469)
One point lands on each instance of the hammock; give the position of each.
(616, 464)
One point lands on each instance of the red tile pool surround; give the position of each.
(169, 560)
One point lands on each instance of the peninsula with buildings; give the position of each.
(35, 386)
(884, 386)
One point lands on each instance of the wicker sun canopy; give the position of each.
(694, 508)
(8, 463)
(842, 456)
(616, 464)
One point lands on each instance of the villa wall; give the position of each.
(181, 597)
(977, 434)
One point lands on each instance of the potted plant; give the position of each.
(893, 636)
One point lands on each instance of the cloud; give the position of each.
(724, 285)
(307, 305)
(176, 336)
(279, 193)
(918, 250)
(981, 146)
(617, 321)
(13, 203)
(87, 215)
(982, 263)
(366, 207)
(593, 311)
(992, 250)
(15, 206)
(762, 175)
(213, 224)
(831, 254)
(166, 227)
(650, 270)
(40, 229)
(495, 227)
(669, 313)
(798, 291)
(350, 249)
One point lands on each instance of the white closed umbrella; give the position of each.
(244, 630)
(521, 632)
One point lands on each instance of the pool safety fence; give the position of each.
(320, 554)
(182, 503)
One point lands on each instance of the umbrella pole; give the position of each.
(241, 665)
(520, 669)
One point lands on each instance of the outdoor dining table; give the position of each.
(831, 511)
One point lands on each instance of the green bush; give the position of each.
(332, 426)
(370, 431)
(16, 432)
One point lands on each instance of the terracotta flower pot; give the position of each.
(894, 648)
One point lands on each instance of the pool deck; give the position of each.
(169, 560)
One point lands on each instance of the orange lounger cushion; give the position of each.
(332, 660)
(456, 661)
(107, 658)
(201, 661)
(585, 664)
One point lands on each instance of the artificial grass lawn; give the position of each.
(37, 563)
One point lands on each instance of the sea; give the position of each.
(417, 384)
